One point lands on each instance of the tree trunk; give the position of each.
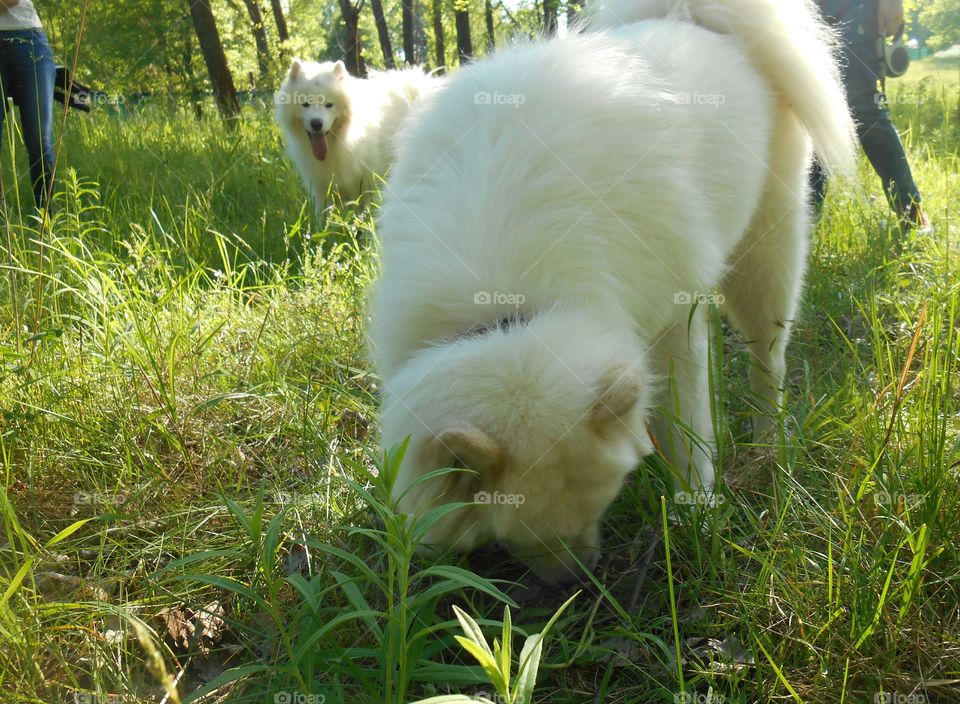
(196, 95)
(352, 53)
(409, 53)
(550, 8)
(205, 26)
(488, 16)
(441, 49)
(383, 33)
(259, 37)
(464, 43)
(574, 8)
(420, 44)
(282, 33)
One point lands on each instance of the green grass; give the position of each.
(188, 485)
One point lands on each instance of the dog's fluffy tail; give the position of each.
(784, 39)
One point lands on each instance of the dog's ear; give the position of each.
(339, 69)
(619, 392)
(469, 446)
(296, 68)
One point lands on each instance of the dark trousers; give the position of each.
(27, 74)
(862, 69)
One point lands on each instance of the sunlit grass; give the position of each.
(186, 422)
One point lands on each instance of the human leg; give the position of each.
(29, 71)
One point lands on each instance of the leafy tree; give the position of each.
(129, 45)
(259, 31)
(352, 48)
(942, 19)
(282, 33)
(150, 47)
(205, 24)
(383, 33)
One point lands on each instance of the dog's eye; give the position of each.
(329, 105)
(304, 105)
(457, 463)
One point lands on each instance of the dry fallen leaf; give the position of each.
(176, 620)
(211, 625)
(200, 628)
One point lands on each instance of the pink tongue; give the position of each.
(318, 141)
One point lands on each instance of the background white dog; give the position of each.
(341, 129)
(552, 214)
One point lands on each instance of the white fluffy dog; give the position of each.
(340, 129)
(551, 215)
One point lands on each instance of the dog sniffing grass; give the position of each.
(595, 250)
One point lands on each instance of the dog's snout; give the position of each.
(316, 124)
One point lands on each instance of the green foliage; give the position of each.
(129, 45)
(372, 640)
(148, 46)
(497, 661)
(942, 19)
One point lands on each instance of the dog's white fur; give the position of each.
(614, 186)
(358, 117)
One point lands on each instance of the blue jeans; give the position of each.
(27, 74)
(862, 71)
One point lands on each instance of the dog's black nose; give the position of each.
(316, 124)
